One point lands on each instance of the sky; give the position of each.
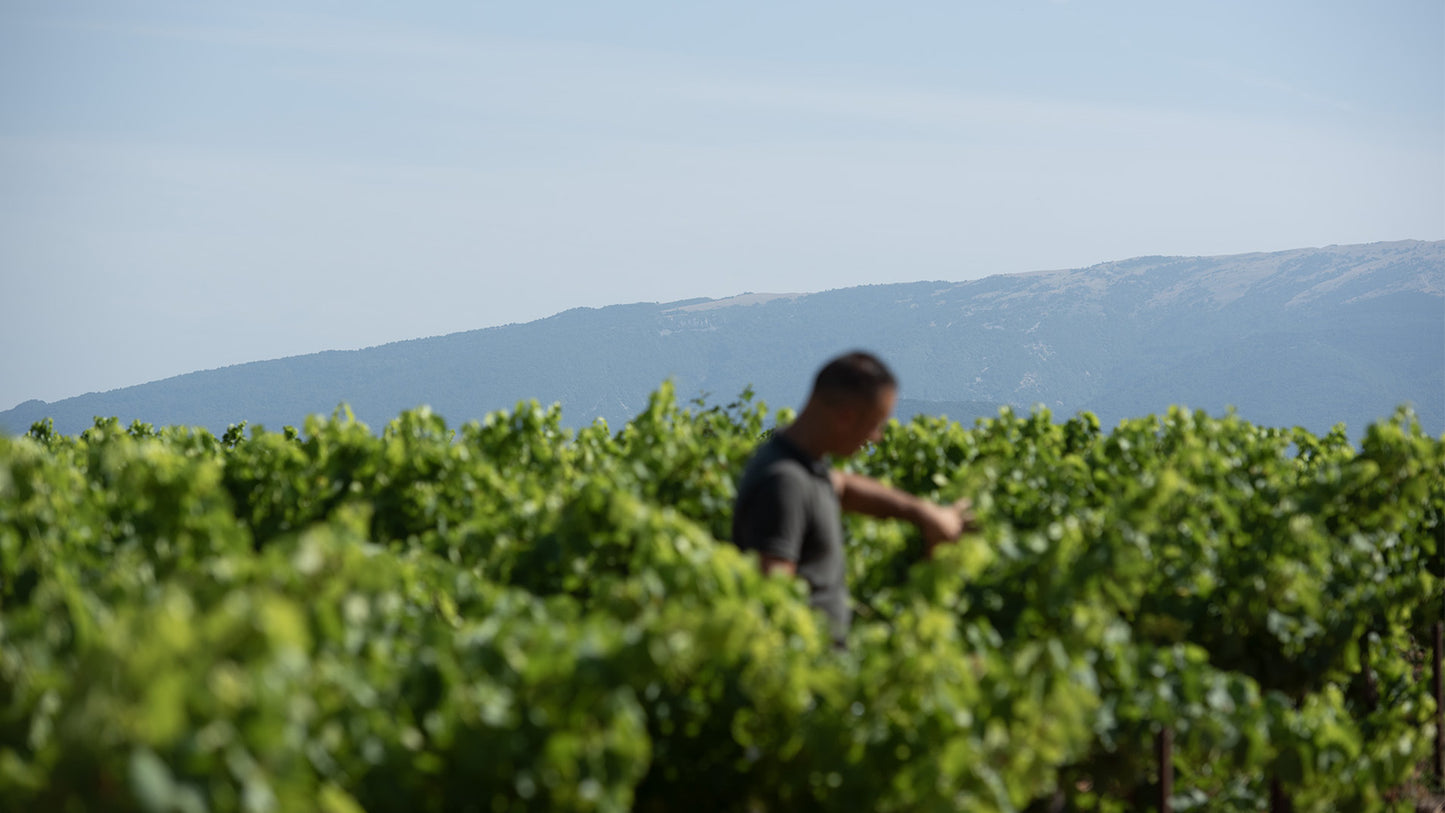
(186, 186)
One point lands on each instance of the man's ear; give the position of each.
(845, 414)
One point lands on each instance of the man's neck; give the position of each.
(806, 435)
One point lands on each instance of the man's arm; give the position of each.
(770, 519)
(777, 564)
(939, 523)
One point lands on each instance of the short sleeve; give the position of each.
(772, 518)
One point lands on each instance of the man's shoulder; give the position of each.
(775, 454)
(778, 464)
(776, 470)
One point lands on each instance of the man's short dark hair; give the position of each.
(855, 376)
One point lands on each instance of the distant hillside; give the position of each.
(1308, 337)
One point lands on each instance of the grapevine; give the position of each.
(509, 615)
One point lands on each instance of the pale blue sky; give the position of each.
(185, 186)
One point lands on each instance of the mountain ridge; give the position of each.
(1304, 336)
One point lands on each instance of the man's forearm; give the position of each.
(774, 564)
(864, 495)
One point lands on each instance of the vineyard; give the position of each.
(510, 616)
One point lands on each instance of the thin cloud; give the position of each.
(1256, 80)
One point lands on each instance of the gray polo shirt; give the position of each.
(786, 507)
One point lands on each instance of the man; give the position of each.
(789, 501)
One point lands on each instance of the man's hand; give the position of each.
(945, 523)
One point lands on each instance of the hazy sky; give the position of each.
(190, 185)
